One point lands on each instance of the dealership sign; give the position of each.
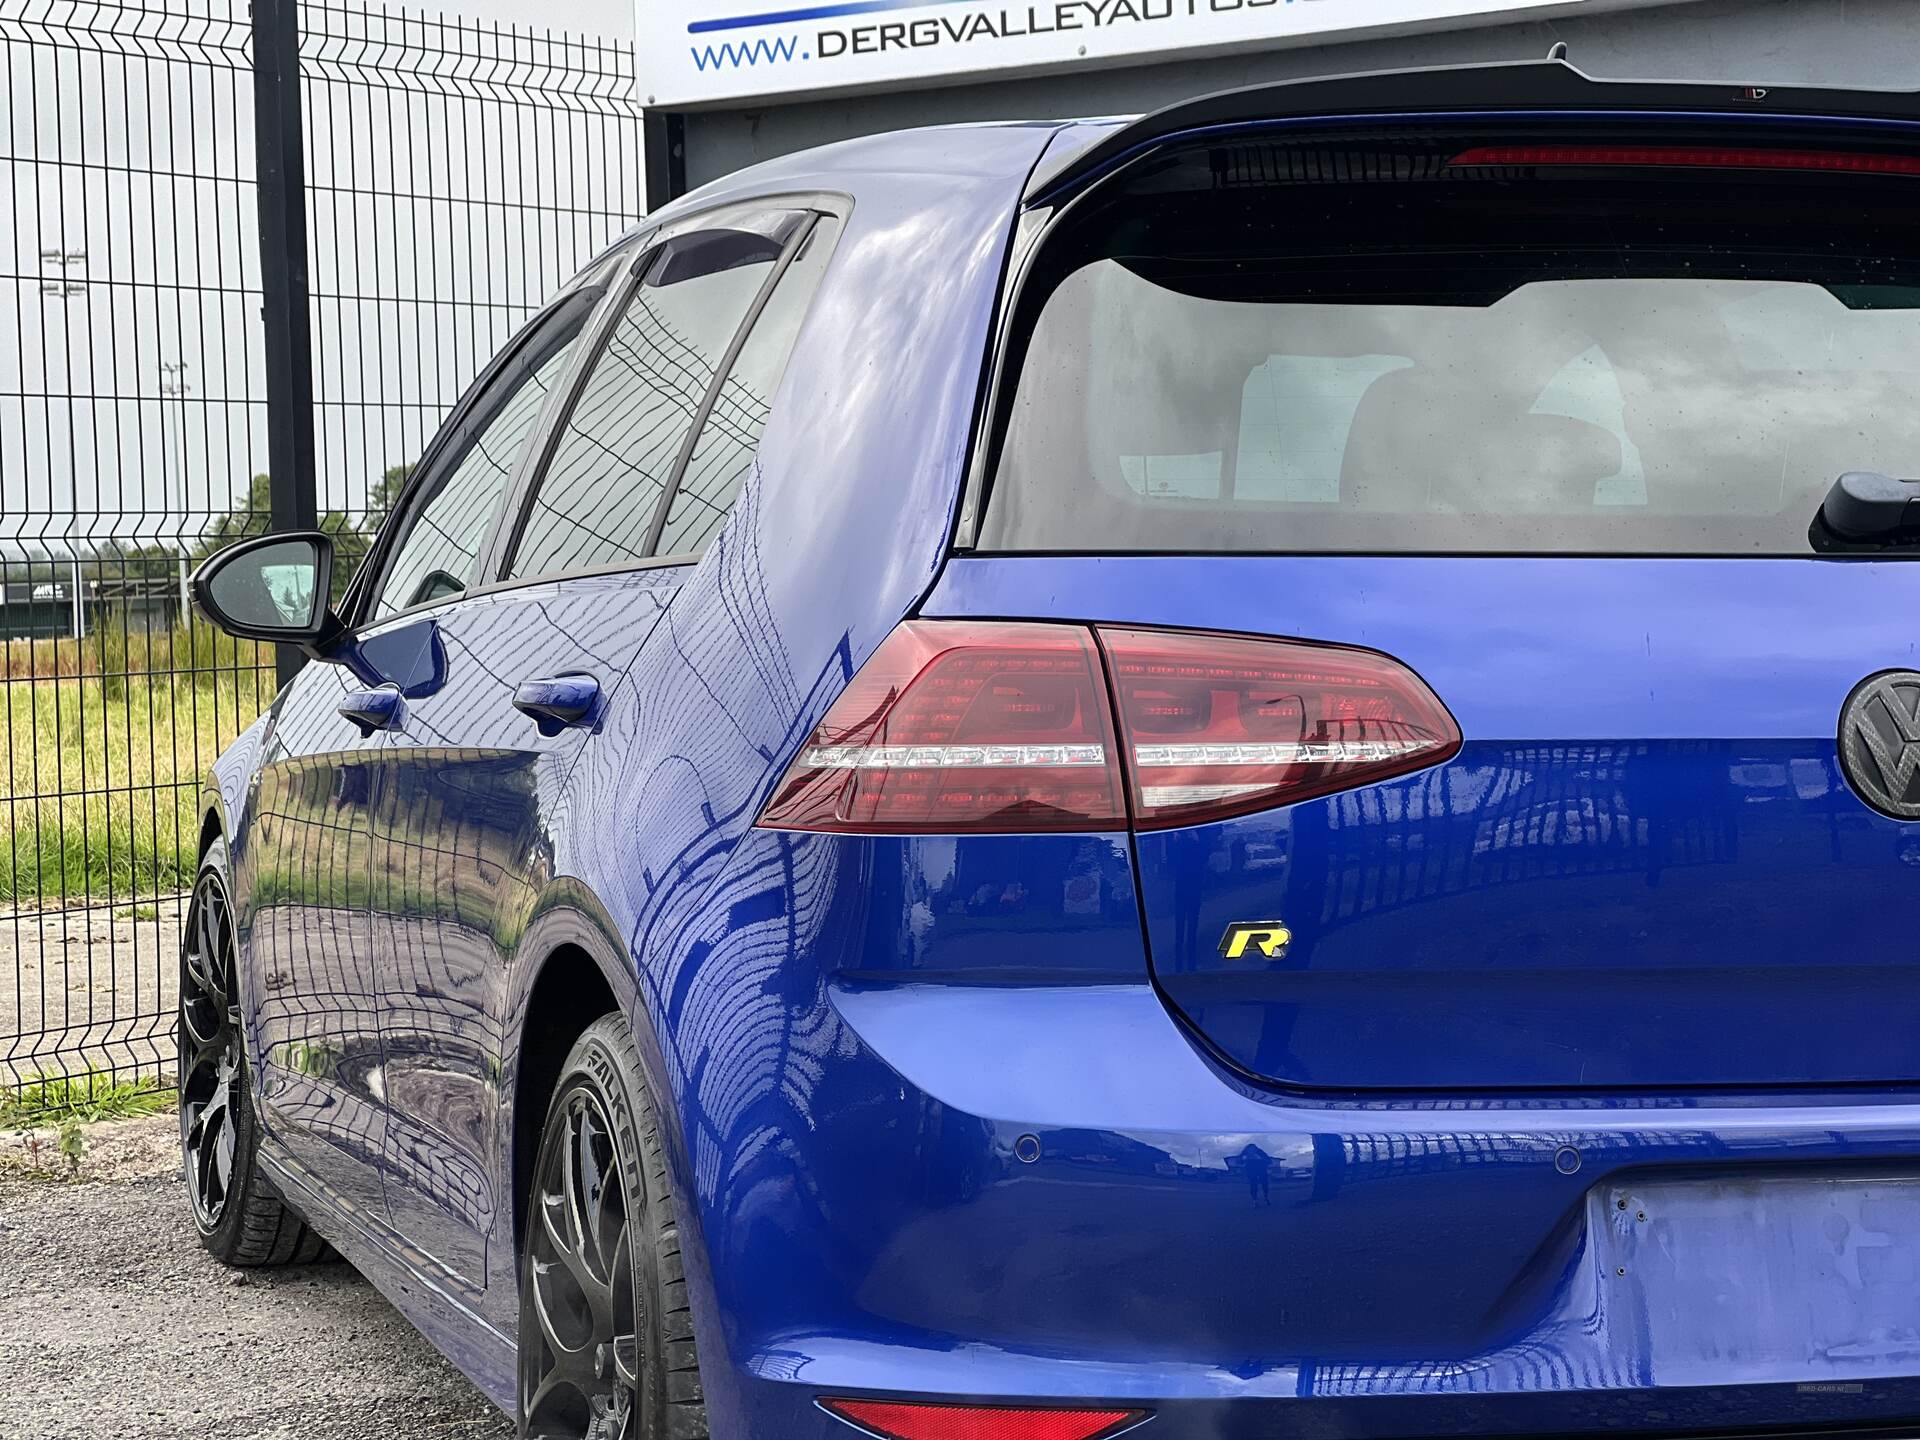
(708, 52)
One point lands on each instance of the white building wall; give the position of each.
(1867, 43)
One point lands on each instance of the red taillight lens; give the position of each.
(898, 1420)
(962, 726)
(1217, 725)
(965, 726)
(1690, 157)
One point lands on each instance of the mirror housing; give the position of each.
(272, 587)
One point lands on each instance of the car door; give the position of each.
(472, 805)
(304, 867)
(305, 864)
(301, 869)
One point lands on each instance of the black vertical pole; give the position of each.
(663, 135)
(282, 177)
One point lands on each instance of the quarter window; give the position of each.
(617, 450)
(730, 437)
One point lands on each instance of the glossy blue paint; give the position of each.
(1183, 1237)
(468, 790)
(301, 869)
(370, 710)
(1644, 868)
(1661, 963)
(559, 702)
(624, 842)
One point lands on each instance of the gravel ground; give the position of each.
(115, 1323)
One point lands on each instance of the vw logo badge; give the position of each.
(1880, 742)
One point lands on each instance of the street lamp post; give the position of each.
(62, 285)
(57, 282)
(174, 382)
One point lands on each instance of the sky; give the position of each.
(442, 214)
(612, 18)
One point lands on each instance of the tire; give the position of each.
(240, 1217)
(606, 1334)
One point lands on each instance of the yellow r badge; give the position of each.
(1269, 937)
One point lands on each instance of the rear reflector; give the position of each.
(898, 1420)
(1689, 157)
(965, 726)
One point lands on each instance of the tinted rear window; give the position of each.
(1417, 358)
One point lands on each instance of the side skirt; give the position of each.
(485, 1356)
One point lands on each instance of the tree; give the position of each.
(248, 518)
(351, 541)
(352, 534)
(383, 497)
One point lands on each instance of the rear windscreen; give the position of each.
(1242, 355)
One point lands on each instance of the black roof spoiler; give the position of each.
(1551, 84)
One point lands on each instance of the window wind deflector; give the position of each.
(707, 252)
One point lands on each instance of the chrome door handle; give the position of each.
(559, 701)
(371, 710)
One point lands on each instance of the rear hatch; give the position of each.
(1537, 420)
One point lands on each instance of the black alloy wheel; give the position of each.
(584, 1299)
(606, 1338)
(241, 1218)
(211, 1060)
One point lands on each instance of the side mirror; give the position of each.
(272, 587)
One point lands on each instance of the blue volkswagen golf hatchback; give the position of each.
(1241, 775)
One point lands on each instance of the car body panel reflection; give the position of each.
(470, 791)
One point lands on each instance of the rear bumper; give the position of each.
(1765, 1413)
(953, 1179)
(1243, 1267)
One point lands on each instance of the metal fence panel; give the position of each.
(456, 174)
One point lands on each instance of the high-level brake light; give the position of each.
(902, 1420)
(959, 726)
(1690, 157)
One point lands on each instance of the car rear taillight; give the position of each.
(1218, 725)
(967, 726)
(903, 1420)
(958, 726)
(1689, 157)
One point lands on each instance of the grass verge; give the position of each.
(107, 741)
(55, 1101)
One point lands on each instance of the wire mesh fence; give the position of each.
(457, 174)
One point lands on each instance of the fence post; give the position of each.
(282, 185)
(663, 134)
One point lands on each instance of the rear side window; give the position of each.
(617, 449)
(1421, 356)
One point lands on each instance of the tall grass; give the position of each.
(114, 652)
(47, 1100)
(109, 738)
